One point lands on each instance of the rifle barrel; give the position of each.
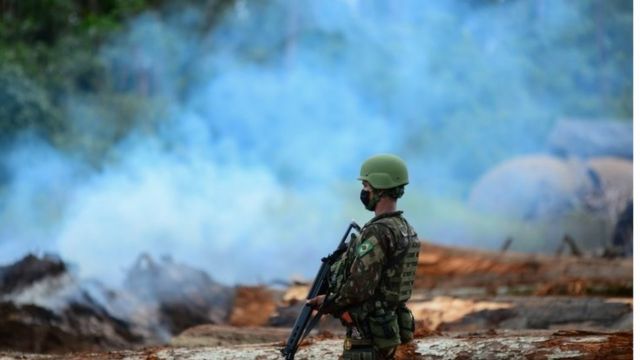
(302, 321)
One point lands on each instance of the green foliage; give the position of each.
(48, 54)
(47, 51)
(25, 106)
(104, 119)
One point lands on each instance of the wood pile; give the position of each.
(450, 270)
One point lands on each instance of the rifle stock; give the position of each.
(303, 323)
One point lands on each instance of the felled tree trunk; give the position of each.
(529, 344)
(523, 312)
(447, 270)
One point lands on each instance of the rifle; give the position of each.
(304, 323)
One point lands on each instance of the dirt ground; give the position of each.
(525, 344)
(468, 304)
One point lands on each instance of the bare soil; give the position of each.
(526, 344)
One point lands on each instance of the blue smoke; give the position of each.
(246, 163)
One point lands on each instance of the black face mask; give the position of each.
(369, 201)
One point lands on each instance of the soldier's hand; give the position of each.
(317, 301)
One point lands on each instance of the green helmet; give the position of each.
(384, 171)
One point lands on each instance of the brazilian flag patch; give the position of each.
(364, 247)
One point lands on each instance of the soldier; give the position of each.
(372, 281)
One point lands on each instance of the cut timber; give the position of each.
(215, 335)
(447, 270)
(487, 345)
(549, 312)
(252, 306)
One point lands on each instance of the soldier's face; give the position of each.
(366, 196)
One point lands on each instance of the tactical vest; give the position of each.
(399, 272)
(384, 319)
(397, 279)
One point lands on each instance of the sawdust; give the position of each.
(252, 306)
(408, 352)
(324, 335)
(442, 267)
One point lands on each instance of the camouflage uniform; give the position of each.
(372, 282)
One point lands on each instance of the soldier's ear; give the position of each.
(383, 193)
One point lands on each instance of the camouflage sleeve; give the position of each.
(363, 274)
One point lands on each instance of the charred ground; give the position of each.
(468, 304)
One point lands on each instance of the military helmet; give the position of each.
(384, 171)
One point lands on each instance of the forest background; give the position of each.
(124, 124)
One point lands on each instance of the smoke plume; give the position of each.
(246, 166)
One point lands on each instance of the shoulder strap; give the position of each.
(383, 242)
(406, 245)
